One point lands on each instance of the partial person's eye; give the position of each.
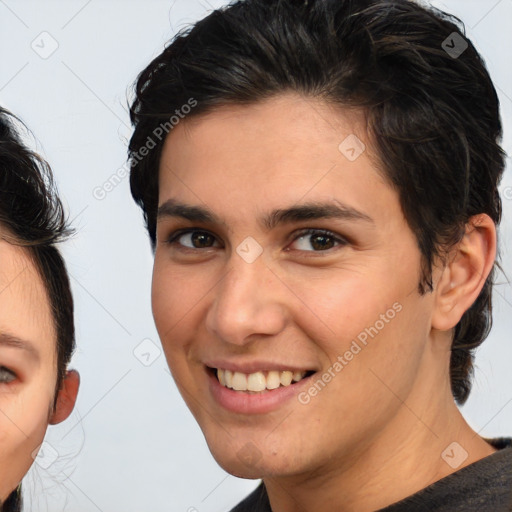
(192, 239)
(6, 375)
(318, 240)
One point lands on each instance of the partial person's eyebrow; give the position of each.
(306, 211)
(9, 340)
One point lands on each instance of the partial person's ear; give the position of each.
(66, 397)
(466, 271)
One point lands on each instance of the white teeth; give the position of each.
(286, 378)
(228, 378)
(239, 381)
(297, 376)
(258, 381)
(273, 380)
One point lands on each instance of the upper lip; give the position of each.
(249, 367)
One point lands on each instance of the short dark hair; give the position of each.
(433, 116)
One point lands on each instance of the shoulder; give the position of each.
(484, 486)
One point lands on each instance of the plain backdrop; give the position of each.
(131, 444)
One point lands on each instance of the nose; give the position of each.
(247, 303)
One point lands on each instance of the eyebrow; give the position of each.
(297, 213)
(9, 340)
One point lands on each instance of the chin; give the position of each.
(241, 471)
(246, 460)
(242, 462)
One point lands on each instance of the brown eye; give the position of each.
(322, 242)
(317, 241)
(200, 240)
(193, 239)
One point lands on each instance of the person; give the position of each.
(36, 311)
(319, 180)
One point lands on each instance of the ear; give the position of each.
(464, 276)
(66, 397)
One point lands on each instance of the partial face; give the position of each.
(27, 364)
(285, 286)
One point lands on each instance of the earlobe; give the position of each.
(66, 397)
(465, 273)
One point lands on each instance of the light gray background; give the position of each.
(131, 444)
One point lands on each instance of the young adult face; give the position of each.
(28, 366)
(300, 304)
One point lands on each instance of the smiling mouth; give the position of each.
(258, 382)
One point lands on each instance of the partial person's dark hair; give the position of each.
(433, 117)
(32, 216)
(13, 503)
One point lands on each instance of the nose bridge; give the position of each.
(245, 302)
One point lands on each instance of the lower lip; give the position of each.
(253, 403)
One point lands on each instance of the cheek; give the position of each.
(342, 306)
(167, 298)
(369, 297)
(374, 323)
(29, 410)
(176, 293)
(23, 425)
(175, 300)
(378, 349)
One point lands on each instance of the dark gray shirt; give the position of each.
(484, 486)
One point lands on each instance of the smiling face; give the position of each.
(28, 371)
(281, 258)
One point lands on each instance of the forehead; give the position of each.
(25, 310)
(283, 150)
(287, 125)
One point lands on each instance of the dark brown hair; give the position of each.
(433, 115)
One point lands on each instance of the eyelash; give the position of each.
(172, 239)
